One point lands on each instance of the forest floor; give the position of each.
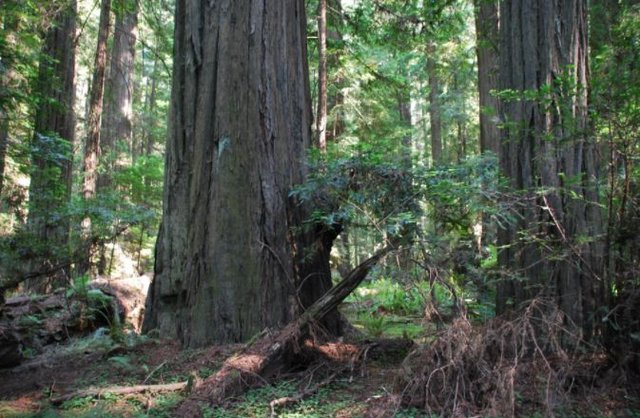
(356, 388)
(350, 378)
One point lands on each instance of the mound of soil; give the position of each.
(28, 323)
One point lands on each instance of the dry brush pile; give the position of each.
(503, 368)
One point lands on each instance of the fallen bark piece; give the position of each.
(268, 354)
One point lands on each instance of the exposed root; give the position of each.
(485, 370)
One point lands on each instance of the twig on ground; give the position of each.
(308, 391)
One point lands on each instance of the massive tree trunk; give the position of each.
(233, 256)
(553, 249)
(52, 144)
(118, 100)
(487, 35)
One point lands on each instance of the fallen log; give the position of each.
(268, 354)
(123, 390)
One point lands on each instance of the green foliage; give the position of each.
(255, 403)
(374, 323)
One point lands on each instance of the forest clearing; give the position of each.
(350, 208)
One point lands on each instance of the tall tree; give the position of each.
(92, 144)
(549, 157)
(487, 35)
(96, 100)
(232, 256)
(435, 113)
(335, 96)
(8, 28)
(52, 144)
(118, 100)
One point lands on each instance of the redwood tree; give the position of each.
(553, 248)
(92, 144)
(52, 144)
(117, 123)
(233, 255)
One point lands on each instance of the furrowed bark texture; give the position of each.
(230, 258)
(488, 38)
(555, 244)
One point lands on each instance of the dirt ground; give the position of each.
(363, 375)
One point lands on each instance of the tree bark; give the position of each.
(52, 144)
(233, 254)
(488, 38)
(117, 123)
(554, 248)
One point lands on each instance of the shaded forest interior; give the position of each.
(320, 208)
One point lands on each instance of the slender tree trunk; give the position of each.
(321, 119)
(403, 256)
(335, 22)
(487, 36)
(231, 257)
(435, 116)
(4, 145)
(117, 123)
(52, 145)
(92, 145)
(148, 138)
(549, 158)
